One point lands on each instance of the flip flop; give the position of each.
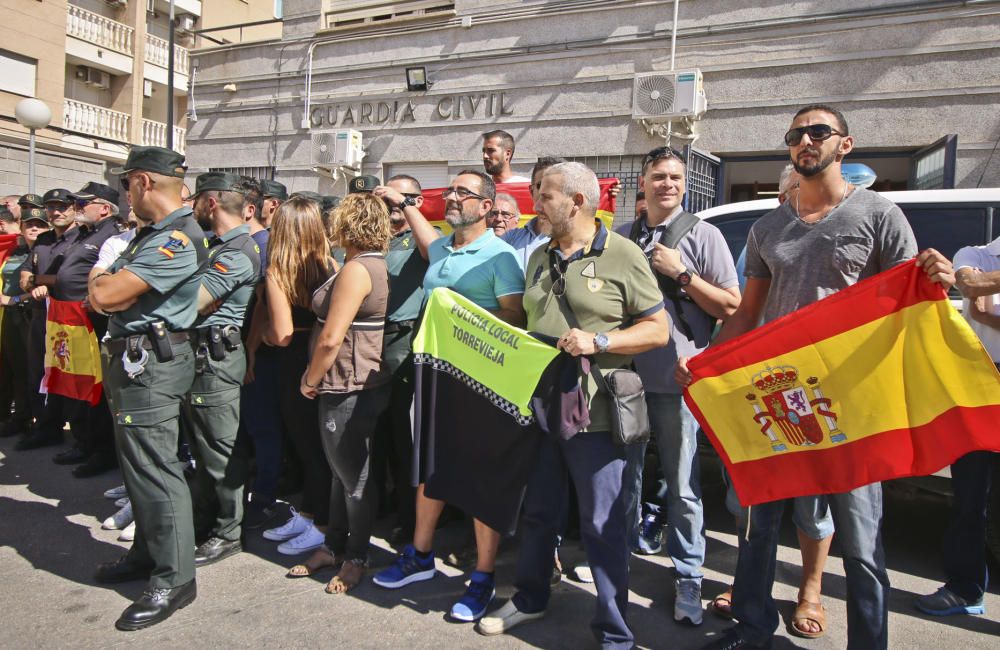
(311, 567)
(806, 611)
(722, 605)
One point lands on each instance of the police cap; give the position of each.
(153, 159)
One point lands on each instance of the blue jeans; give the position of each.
(965, 540)
(676, 434)
(260, 417)
(858, 518)
(811, 514)
(635, 458)
(596, 466)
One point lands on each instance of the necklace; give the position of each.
(798, 214)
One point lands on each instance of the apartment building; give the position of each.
(101, 66)
(917, 79)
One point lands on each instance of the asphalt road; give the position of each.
(50, 540)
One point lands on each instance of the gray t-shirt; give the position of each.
(863, 236)
(704, 251)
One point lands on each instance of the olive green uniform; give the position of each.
(212, 408)
(166, 256)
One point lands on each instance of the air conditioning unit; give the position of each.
(185, 24)
(93, 77)
(117, 4)
(340, 148)
(664, 96)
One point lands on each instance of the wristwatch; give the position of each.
(602, 342)
(406, 202)
(684, 277)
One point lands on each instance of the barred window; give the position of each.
(356, 13)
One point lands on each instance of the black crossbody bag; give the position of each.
(629, 413)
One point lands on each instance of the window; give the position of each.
(430, 175)
(353, 13)
(735, 228)
(260, 173)
(18, 74)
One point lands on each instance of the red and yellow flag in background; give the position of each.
(881, 380)
(72, 354)
(433, 207)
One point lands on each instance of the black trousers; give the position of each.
(14, 366)
(393, 446)
(300, 416)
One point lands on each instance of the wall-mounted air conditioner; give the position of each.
(664, 96)
(340, 148)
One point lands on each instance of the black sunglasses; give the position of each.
(82, 203)
(660, 153)
(817, 133)
(558, 277)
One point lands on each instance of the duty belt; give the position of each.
(391, 327)
(216, 341)
(119, 345)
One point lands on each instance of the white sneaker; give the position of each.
(505, 618)
(120, 519)
(128, 534)
(291, 528)
(583, 573)
(687, 601)
(116, 492)
(307, 541)
(120, 503)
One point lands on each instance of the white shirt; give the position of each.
(985, 258)
(517, 179)
(112, 248)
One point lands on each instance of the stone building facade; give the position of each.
(915, 79)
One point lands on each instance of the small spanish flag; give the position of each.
(878, 381)
(72, 355)
(433, 207)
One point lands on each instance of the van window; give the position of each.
(947, 227)
(735, 228)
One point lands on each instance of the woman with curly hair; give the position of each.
(299, 262)
(347, 376)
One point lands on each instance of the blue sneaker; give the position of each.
(945, 603)
(650, 532)
(407, 568)
(479, 595)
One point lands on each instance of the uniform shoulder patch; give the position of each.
(180, 236)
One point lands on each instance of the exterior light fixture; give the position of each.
(416, 79)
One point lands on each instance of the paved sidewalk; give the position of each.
(50, 541)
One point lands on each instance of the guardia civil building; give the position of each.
(391, 86)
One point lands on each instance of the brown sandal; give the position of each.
(321, 560)
(805, 612)
(722, 605)
(350, 575)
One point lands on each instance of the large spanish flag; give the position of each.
(881, 380)
(72, 355)
(433, 207)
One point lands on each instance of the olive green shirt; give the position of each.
(167, 261)
(229, 275)
(608, 285)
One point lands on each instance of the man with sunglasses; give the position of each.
(829, 236)
(151, 295)
(474, 262)
(96, 211)
(393, 433)
(697, 277)
(46, 258)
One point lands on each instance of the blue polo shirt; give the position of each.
(524, 241)
(481, 271)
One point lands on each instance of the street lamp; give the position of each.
(32, 114)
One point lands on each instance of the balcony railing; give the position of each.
(96, 29)
(154, 134)
(157, 51)
(95, 120)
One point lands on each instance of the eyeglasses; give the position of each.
(461, 193)
(125, 181)
(558, 277)
(661, 153)
(82, 203)
(817, 133)
(56, 207)
(503, 214)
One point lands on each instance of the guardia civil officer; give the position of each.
(212, 408)
(150, 294)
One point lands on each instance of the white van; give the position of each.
(943, 219)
